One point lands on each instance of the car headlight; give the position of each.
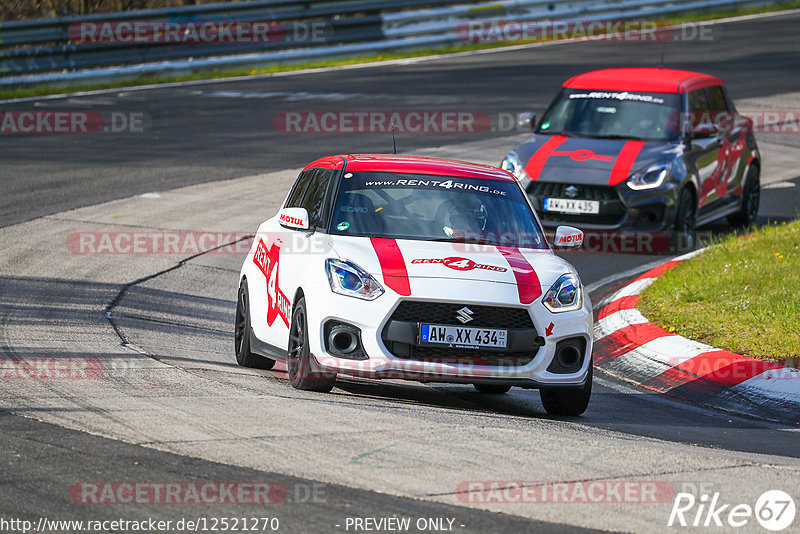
(347, 278)
(565, 295)
(513, 165)
(648, 178)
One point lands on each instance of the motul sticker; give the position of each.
(567, 239)
(460, 264)
(267, 262)
(288, 219)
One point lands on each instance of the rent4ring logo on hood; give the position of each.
(267, 262)
(460, 264)
(618, 165)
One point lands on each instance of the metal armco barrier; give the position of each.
(50, 50)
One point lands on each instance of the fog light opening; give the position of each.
(568, 356)
(342, 340)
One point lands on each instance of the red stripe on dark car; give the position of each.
(624, 162)
(393, 266)
(540, 157)
(527, 280)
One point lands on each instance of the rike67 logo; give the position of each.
(267, 261)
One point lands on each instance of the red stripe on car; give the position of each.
(540, 157)
(527, 281)
(624, 162)
(393, 266)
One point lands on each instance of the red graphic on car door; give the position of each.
(268, 262)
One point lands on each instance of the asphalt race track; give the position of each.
(170, 403)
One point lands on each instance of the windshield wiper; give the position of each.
(616, 136)
(548, 132)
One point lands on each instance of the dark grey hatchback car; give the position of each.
(640, 149)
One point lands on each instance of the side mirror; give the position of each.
(705, 130)
(568, 237)
(527, 120)
(294, 218)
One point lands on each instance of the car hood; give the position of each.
(582, 160)
(392, 260)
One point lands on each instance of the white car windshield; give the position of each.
(435, 208)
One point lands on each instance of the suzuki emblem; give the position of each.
(571, 191)
(464, 315)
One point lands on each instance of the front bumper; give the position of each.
(378, 331)
(621, 208)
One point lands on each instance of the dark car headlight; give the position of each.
(513, 165)
(649, 177)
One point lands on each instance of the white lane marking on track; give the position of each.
(401, 62)
(81, 102)
(779, 185)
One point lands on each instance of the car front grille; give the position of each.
(585, 192)
(446, 313)
(612, 210)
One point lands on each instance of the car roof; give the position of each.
(652, 80)
(411, 165)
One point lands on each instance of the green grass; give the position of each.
(742, 295)
(28, 91)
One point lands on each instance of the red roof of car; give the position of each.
(649, 80)
(411, 165)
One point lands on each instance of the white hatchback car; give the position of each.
(400, 267)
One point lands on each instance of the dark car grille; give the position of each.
(612, 210)
(585, 192)
(444, 313)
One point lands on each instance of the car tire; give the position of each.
(495, 389)
(300, 364)
(242, 332)
(750, 200)
(685, 237)
(567, 401)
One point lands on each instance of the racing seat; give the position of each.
(359, 210)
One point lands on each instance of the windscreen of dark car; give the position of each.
(435, 208)
(613, 115)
